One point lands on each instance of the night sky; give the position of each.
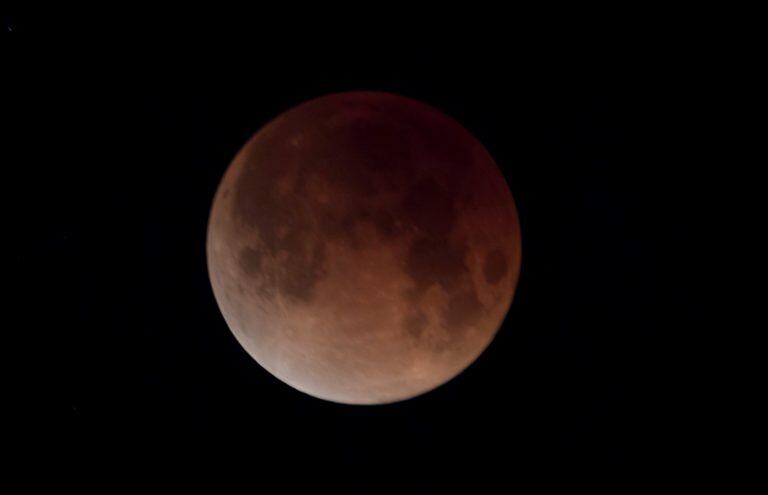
(124, 366)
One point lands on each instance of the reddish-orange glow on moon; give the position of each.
(364, 248)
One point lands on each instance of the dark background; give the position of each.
(116, 138)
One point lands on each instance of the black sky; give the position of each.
(123, 363)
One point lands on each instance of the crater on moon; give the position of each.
(363, 247)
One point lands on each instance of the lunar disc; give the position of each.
(363, 247)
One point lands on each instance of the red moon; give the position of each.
(364, 248)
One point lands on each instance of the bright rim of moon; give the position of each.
(364, 248)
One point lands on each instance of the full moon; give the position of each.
(363, 247)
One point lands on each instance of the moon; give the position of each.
(363, 247)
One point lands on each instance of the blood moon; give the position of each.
(363, 247)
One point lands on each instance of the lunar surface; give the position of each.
(363, 247)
